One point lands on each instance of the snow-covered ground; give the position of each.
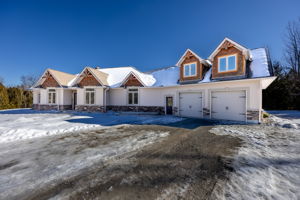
(20, 124)
(286, 118)
(267, 166)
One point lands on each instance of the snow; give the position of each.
(42, 163)
(71, 83)
(117, 75)
(166, 77)
(207, 76)
(267, 165)
(23, 124)
(259, 64)
(286, 116)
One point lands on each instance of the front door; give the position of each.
(74, 100)
(169, 105)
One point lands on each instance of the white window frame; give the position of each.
(188, 65)
(136, 91)
(89, 91)
(39, 98)
(227, 57)
(52, 95)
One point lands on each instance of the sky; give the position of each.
(146, 34)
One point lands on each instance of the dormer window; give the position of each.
(227, 63)
(189, 69)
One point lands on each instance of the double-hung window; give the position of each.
(133, 96)
(189, 69)
(227, 63)
(89, 96)
(51, 96)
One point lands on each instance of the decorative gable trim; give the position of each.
(227, 43)
(83, 74)
(127, 78)
(190, 51)
(44, 77)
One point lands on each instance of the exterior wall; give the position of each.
(117, 97)
(190, 58)
(241, 63)
(99, 92)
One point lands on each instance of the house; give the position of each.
(228, 86)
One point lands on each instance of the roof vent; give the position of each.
(97, 67)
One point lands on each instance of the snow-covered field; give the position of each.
(267, 166)
(20, 124)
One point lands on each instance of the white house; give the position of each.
(228, 85)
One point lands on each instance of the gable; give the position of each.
(132, 81)
(88, 79)
(49, 81)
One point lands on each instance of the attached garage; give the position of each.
(228, 105)
(190, 104)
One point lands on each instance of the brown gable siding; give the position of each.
(190, 58)
(132, 81)
(229, 49)
(50, 81)
(88, 80)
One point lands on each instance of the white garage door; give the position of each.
(190, 104)
(229, 105)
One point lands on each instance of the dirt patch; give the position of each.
(187, 165)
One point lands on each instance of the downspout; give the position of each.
(105, 98)
(58, 101)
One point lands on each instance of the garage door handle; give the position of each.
(213, 112)
(242, 114)
(199, 111)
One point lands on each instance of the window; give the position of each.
(227, 63)
(51, 96)
(190, 69)
(133, 96)
(89, 96)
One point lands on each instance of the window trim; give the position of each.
(190, 69)
(90, 96)
(226, 57)
(50, 93)
(133, 92)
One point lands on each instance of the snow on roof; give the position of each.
(118, 74)
(166, 76)
(259, 65)
(207, 76)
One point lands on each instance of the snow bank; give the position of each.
(267, 165)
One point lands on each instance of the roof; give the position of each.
(238, 46)
(61, 77)
(189, 50)
(117, 75)
(101, 76)
(260, 63)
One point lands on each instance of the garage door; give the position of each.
(190, 104)
(229, 105)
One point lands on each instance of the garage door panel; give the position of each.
(190, 104)
(229, 105)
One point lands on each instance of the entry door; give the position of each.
(169, 105)
(229, 105)
(74, 100)
(190, 104)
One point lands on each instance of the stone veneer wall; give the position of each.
(158, 109)
(51, 107)
(90, 108)
(253, 115)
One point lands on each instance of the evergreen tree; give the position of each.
(4, 100)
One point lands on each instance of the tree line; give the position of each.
(284, 92)
(17, 96)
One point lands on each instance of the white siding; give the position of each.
(117, 97)
(98, 96)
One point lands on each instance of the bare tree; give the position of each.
(1, 80)
(28, 81)
(292, 45)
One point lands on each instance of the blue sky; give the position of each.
(68, 35)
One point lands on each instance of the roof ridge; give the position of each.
(60, 71)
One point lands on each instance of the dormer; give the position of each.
(229, 60)
(192, 67)
(132, 80)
